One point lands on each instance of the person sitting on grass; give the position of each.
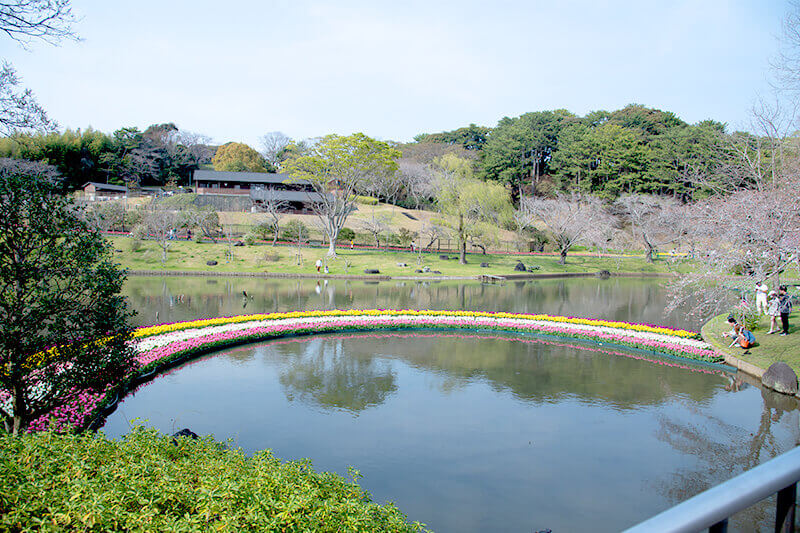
(740, 334)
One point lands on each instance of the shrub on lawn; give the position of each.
(346, 234)
(293, 229)
(147, 481)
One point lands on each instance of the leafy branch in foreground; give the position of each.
(63, 323)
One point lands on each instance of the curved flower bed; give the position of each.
(161, 347)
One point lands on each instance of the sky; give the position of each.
(239, 69)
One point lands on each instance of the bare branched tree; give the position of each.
(747, 237)
(160, 224)
(25, 21)
(431, 232)
(650, 219)
(205, 218)
(19, 110)
(28, 20)
(418, 181)
(570, 221)
(787, 65)
(272, 145)
(274, 208)
(105, 216)
(376, 225)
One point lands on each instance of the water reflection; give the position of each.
(465, 432)
(472, 432)
(322, 374)
(173, 299)
(724, 449)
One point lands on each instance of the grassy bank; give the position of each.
(768, 348)
(193, 256)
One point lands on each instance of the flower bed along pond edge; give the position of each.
(165, 346)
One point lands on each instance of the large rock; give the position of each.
(211, 263)
(444, 257)
(371, 271)
(780, 377)
(186, 433)
(484, 265)
(520, 267)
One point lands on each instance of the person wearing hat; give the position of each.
(772, 312)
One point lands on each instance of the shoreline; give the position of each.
(381, 277)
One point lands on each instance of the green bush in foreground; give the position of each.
(146, 482)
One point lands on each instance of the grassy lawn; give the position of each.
(768, 348)
(192, 256)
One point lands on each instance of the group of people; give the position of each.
(774, 304)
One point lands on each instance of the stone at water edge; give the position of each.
(186, 432)
(371, 271)
(211, 263)
(781, 378)
(520, 267)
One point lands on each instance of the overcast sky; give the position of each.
(238, 69)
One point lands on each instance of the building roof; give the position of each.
(106, 186)
(245, 177)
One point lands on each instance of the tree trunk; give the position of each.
(650, 253)
(462, 242)
(332, 248)
(19, 411)
(563, 259)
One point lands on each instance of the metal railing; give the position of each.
(712, 508)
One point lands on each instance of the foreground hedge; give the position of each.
(148, 482)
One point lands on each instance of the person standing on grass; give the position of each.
(319, 264)
(761, 297)
(784, 308)
(772, 312)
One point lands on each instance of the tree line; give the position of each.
(635, 149)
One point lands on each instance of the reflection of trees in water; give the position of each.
(540, 371)
(725, 450)
(322, 374)
(639, 300)
(534, 370)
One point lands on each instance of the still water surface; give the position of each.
(468, 432)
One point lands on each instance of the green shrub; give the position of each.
(292, 229)
(346, 234)
(405, 236)
(146, 482)
(366, 200)
(262, 231)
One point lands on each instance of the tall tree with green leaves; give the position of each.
(606, 161)
(63, 324)
(337, 167)
(238, 157)
(519, 150)
(471, 206)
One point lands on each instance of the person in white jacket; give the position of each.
(761, 298)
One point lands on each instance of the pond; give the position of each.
(467, 431)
